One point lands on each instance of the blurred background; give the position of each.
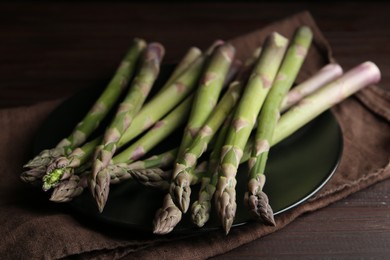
(52, 49)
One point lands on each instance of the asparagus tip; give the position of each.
(259, 207)
(32, 175)
(226, 205)
(200, 213)
(181, 191)
(67, 190)
(102, 189)
(167, 217)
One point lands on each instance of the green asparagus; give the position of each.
(204, 102)
(255, 198)
(242, 124)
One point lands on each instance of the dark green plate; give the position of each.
(297, 168)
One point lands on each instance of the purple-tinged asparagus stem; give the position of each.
(329, 95)
(325, 75)
(242, 124)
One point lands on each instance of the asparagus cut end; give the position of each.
(52, 179)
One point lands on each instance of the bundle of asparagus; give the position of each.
(221, 128)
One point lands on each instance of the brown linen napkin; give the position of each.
(32, 227)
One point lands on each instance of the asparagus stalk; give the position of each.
(98, 111)
(155, 135)
(139, 90)
(325, 75)
(204, 102)
(242, 124)
(208, 91)
(167, 99)
(201, 208)
(255, 198)
(308, 108)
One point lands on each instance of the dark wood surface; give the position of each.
(51, 50)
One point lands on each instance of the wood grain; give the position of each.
(51, 50)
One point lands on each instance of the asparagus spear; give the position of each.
(201, 208)
(243, 121)
(325, 75)
(208, 91)
(204, 102)
(161, 130)
(139, 90)
(93, 118)
(182, 174)
(255, 198)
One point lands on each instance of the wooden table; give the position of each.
(51, 50)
